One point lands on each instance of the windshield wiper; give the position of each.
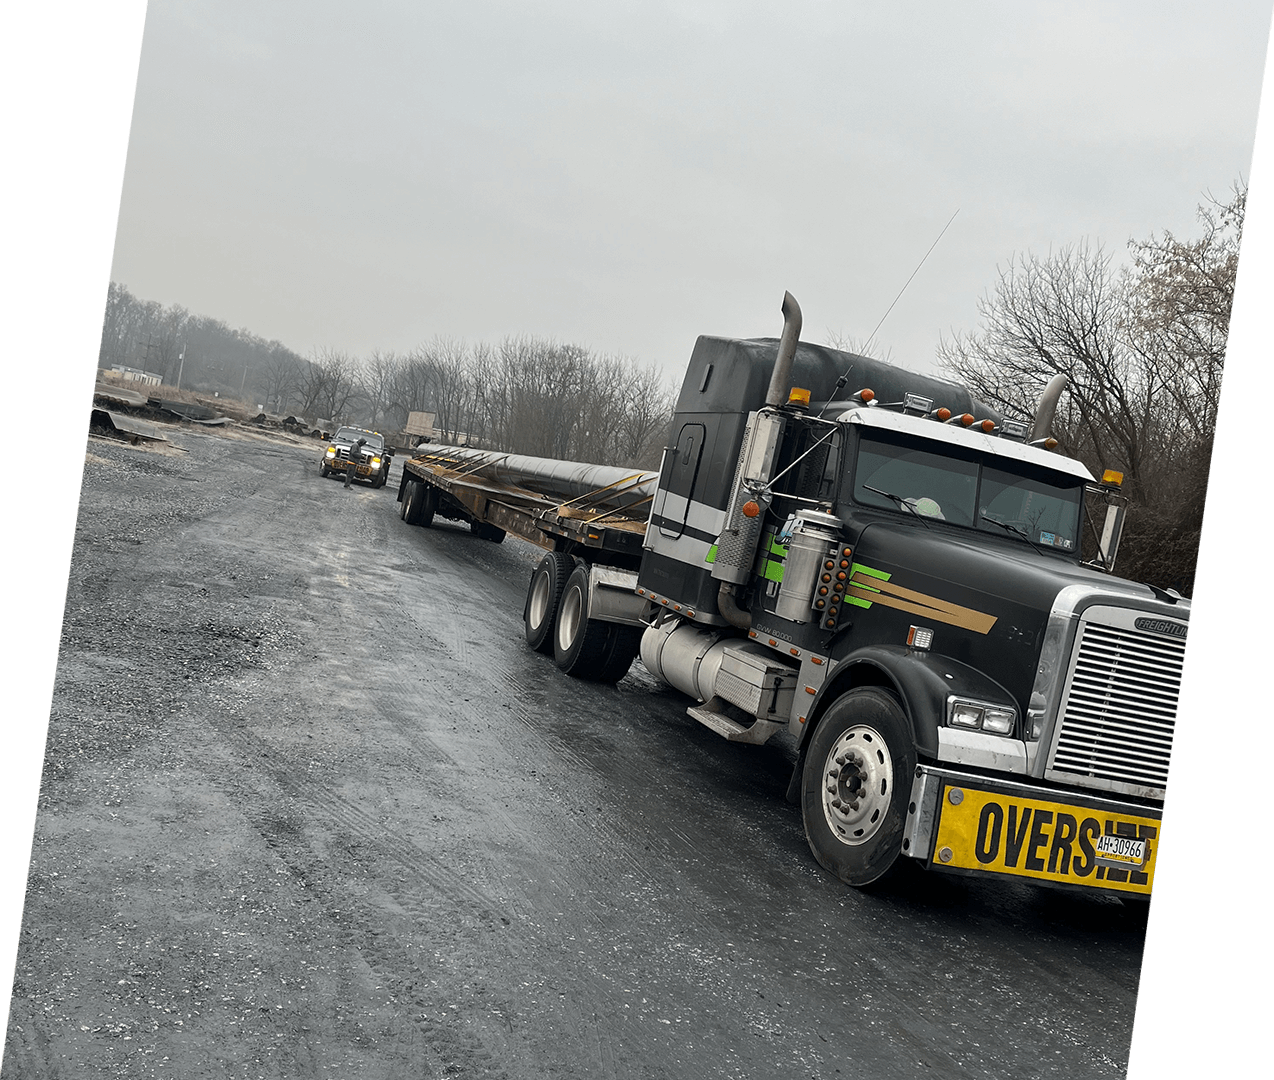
(900, 501)
(1013, 529)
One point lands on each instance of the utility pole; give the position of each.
(181, 366)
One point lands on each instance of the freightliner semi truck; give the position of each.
(873, 562)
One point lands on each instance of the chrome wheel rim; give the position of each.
(858, 780)
(568, 618)
(539, 599)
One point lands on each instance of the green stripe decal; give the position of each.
(859, 568)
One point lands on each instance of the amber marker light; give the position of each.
(1110, 476)
(967, 419)
(988, 426)
(866, 395)
(943, 414)
(751, 509)
(799, 397)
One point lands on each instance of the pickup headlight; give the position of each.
(375, 463)
(981, 716)
(331, 451)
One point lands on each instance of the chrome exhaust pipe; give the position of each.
(1042, 427)
(782, 376)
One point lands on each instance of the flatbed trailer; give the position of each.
(605, 524)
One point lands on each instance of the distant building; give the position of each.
(128, 374)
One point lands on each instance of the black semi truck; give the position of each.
(893, 575)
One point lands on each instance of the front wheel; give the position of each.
(856, 783)
(324, 470)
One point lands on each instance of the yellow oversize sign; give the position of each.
(1004, 834)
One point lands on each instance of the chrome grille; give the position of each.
(1120, 707)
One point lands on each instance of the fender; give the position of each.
(922, 682)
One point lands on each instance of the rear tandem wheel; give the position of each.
(543, 595)
(588, 648)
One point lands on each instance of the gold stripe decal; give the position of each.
(878, 591)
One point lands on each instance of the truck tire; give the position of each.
(579, 643)
(404, 499)
(324, 471)
(420, 500)
(856, 784)
(428, 506)
(543, 595)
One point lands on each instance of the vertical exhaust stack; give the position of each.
(782, 376)
(737, 544)
(1042, 427)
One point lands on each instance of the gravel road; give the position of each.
(311, 808)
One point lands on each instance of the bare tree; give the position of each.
(1143, 348)
(329, 386)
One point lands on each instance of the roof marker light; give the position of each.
(967, 419)
(1111, 476)
(988, 426)
(943, 414)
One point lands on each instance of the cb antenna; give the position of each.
(840, 383)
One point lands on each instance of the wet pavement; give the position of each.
(312, 808)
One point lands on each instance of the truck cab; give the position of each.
(895, 577)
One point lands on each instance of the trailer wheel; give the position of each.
(428, 505)
(856, 783)
(579, 643)
(420, 500)
(542, 598)
(404, 499)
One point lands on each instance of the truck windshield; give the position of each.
(1004, 497)
(371, 440)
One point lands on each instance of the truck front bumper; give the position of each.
(966, 823)
(364, 471)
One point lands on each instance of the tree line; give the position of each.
(1143, 346)
(523, 395)
(1142, 343)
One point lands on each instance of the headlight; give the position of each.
(981, 716)
(331, 451)
(375, 463)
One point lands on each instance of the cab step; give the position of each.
(732, 723)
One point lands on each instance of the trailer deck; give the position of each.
(612, 534)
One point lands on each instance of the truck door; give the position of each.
(676, 486)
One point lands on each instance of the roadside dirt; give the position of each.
(310, 808)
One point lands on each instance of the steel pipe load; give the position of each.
(597, 486)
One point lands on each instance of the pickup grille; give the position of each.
(1116, 721)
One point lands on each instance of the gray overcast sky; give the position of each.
(630, 175)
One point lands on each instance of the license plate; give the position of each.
(1049, 841)
(1120, 851)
